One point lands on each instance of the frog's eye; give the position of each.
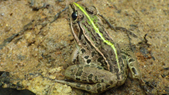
(74, 15)
(91, 10)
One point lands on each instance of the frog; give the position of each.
(98, 63)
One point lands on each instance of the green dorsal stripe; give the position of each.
(100, 34)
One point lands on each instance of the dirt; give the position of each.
(36, 43)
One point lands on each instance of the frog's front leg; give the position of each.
(73, 57)
(92, 78)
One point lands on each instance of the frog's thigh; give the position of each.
(90, 78)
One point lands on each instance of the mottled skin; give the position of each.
(98, 62)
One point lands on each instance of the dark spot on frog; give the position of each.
(84, 43)
(99, 87)
(74, 60)
(99, 67)
(77, 78)
(102, 80)
(108, 86)
(96, 79)
(100, 59)
(79, 72)
(93, 53)
(90, 77)
(111, 82)
(71, 70)
(116, 70)
(131, 60)
(118, 76)
(123, 56)
(78, 85)
(88, 87)
(86, 57)
(83, 50)
(88, 61)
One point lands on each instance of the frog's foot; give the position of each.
(93, 88)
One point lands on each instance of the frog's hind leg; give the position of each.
(92, 78)
(93, 88)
